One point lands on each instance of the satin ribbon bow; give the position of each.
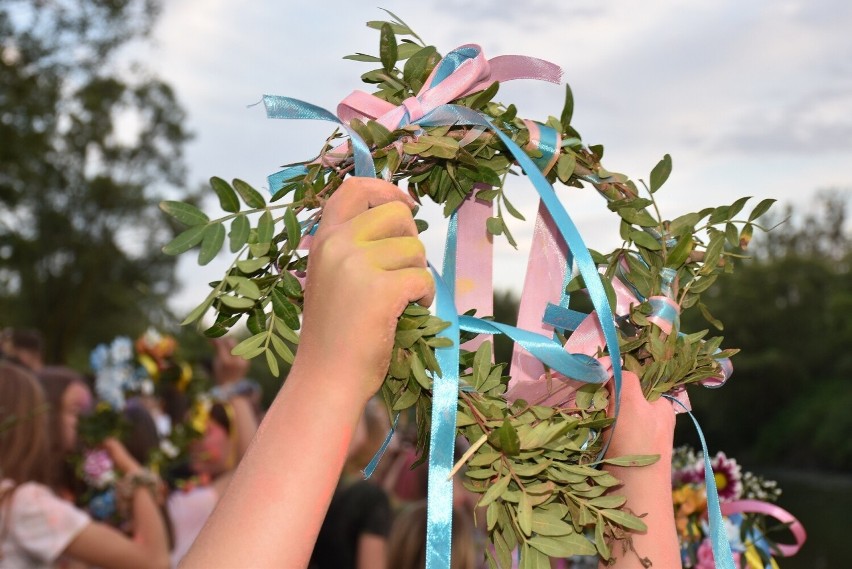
(462, 72)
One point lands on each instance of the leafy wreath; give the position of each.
(534, 465)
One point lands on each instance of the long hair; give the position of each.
(407, 540)
(55, 381)
(24, 435)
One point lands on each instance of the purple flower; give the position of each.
(98, 469)
(728, 477)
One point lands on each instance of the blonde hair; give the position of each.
(24, 437)
(407, 540)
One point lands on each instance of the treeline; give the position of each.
(788, 309)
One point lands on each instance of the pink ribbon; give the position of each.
(780, 514)
(473, 75)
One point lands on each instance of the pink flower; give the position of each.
(728, 477)
(705, 556)
(98, 469)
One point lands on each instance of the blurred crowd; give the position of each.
(120, 465)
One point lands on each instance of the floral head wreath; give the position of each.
(536, 438)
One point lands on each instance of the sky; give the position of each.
(749, 98)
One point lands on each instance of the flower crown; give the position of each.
(536, 437)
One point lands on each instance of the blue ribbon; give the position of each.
(718, 537)
(439, 500)
(278, 107)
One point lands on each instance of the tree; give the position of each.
(80, 232)
(788, 310)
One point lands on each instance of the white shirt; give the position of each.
(36, 527)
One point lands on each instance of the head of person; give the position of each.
(142, 437)
(24, 434)
(214, 453)
(407, 541)
(69, 397)
(24, 346)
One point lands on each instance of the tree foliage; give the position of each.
(788, 310)
(90, 142)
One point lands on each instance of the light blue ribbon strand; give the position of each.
(547, 144)
(548, 351)
(278, 107)
(718, 537)
(439, 500)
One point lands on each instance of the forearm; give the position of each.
(279, 495)
(648, 491)
(149, 527)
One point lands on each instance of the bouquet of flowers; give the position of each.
(535, 437)
(747, 503)
(123, 369)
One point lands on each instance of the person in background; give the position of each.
(37, 527)
(355, 529)
(24, 346)
(407, 541)
(228, 426)
(68, 397)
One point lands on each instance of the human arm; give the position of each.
(646, 428)
(366, 264)
(372, 551)
(102, 545)
(228, 370)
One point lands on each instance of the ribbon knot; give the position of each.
(414, 109)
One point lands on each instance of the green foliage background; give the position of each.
(79, 226)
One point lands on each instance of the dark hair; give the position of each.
(55, 380)
(142, 437)
(27, 339)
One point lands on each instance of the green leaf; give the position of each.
(265, 227)
(705, 312)
(678, 255)
(249, 266)
(284, 309)
(495, 491)
(251, 197)
(563, 546)
(185, 240)
(637, 217)
(211, 244)
(272, 363)
(625, 520)
(481, 364)
(600, 541)
(494, 225)
(290, 285)
(198, 311)
(760, 209)
(660, 173)
(546, 523)
(737, 207)
(283, 351)
(239, 234)
(249, 344)
(416, 67)
(567, 108)
(485, 96)
(227, 196)
(633, 460)
(184, 212)
(387, 47)
(363, 57)
(525, 514)
(565, 167)
(236, 302)
(645, 240)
